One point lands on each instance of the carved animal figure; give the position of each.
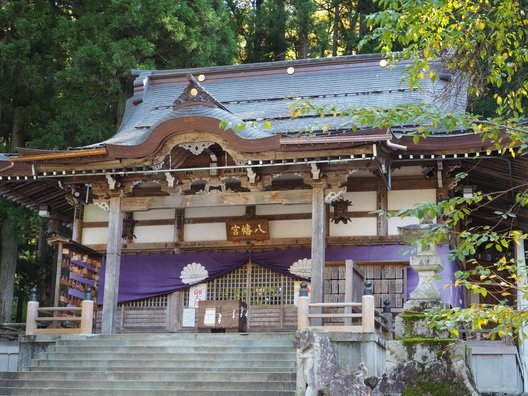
(322, 373)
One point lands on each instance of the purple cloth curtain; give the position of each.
(150, 275)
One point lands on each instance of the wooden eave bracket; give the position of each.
(383, 161)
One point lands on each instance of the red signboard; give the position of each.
(244, 230)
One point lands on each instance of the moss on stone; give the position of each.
(412, 315)
(434, 345)
(428, 341)
(426, 387)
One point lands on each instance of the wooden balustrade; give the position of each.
(61, 316)
(367, 316)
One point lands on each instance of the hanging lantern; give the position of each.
(340, 206)
(128, 227)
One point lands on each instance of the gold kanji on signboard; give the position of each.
(243, 230)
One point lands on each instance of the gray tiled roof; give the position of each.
(256, 95)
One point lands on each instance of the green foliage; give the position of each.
(270, 30)
(485, 43)
(102, 42)
(65, 70)
(483, 40)
(67, 64)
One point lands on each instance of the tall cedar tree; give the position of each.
(65, 74)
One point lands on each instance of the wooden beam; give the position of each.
(279, 243)
(134, 204)
(113, 263)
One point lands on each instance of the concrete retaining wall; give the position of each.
(496, 367)
(8, 356)
(353, 348)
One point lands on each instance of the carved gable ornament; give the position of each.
(195, 93)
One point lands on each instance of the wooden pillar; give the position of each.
(318, 244)
(58, 270)
(522, 302)
(349, 285)
(113, 262)
(77, 223)
(53, 227)
(382, 204)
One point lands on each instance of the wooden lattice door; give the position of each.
(268, 295)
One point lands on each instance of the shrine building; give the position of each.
(211, 190)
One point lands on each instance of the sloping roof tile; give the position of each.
(266, 91)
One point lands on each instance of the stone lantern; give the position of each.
(427, 264)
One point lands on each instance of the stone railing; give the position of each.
(62, 316)
(363, 312)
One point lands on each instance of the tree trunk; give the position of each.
(21, 299)
(280, 53)
(258, 38)
(17, 133)
(8, 261)
(335, 36)
(304, 29)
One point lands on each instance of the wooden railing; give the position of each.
(63, 316)
(366, 316)
(364, 313)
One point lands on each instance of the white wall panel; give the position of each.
(93, 236)
(407, 199)
(362, 201)
(396, 222)
(362, 226)
(158, 214)
(149, 234)
(290, 228)
(215, 211)
(205, 232)
(94, 213)
(263, 210)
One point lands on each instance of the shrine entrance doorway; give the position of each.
(269, 296)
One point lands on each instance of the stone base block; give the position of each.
(423, 366)
(410, 324)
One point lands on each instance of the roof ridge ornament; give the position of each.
(196, 93)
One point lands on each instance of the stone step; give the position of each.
(182, 336)
(160, 364)
(139, 369)
(246, 342)
(137, 392)
(153, 385)
(169, 349)
(163, 364)
(147, 356)
(151, 376)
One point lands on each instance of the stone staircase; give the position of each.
(160, 364)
